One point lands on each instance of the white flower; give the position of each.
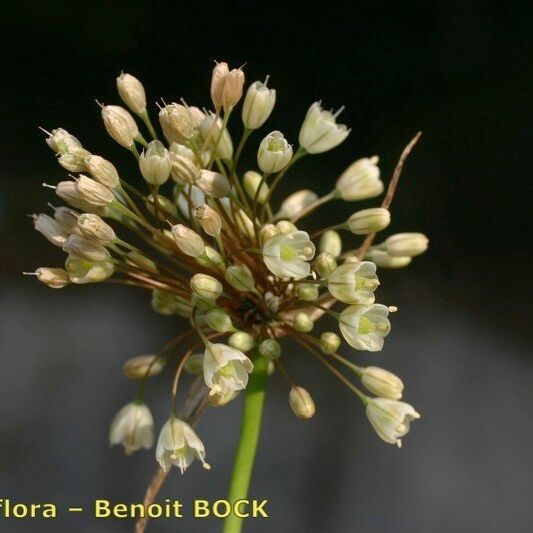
(61, 141)
(176, 123)
(331, 243)
(226, 367)
(382, 382)
(360, 180)
(81, 271)
(390, 418)
(155, 164)
(133, 427)
(179, 445)
(132, 92)
(296, 202)
(287, 255)
(364, 326)
(93, 192)
(274, 153)
(93, 227)
(320, 132)
(86, 249)
(102, 171)
(188, 241)
(354, 283)
(406, 244)
(53, 230)
(383, 260)
(258, 105)
(369, 221)
(55, 278)
(120, 125)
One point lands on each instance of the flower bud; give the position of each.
(206, 286)
(244, 223)
(102, 171)
(251, 182)
(167, 303)
(296, 202)
(285, 226)
(94, 193)
(382, 382)
(83, 271)
(67, 191)
(188, 241)
(329, 342)
(53, 231)
(303, 323)
(301, 403)
(213, 184)
(176, 123)
(232, 88)
(270, 349)
(209, 219)
(383, 260)
(93, 227)
(184, 169)
(307, 292)
(210, 259)
(242, 341)
(258, 105)
(274, 153)
(331, 243)
(139, 260)
(55, 278)
(320, 131)
(218, 320)
(218, 396)
(132, 92)
(197, 116)
(61, 141)
(87, 249)
(194, 364)
(155, 164)
(211, 129)
(74, 159)
(143, 366)
(267, 231)
(406, 244)
(369, 221)
(360, 180)
(218, 77)
(67, 219)
(240, 277)
(325, 264)
(120, 125)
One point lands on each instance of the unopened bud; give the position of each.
(270, 349)
(303, 323)
(267, 232)
(61, 141)
(251, 182)
(176, 123)
(103, 171)
(55, 232)
(167, 303)
(188, 241)
(132, 92)
(184, 170)
(218, 396)
(406, 244)
(120, 125)
(301, 403)
(67, 218)
(285, 226)
(240, 277)
(258, 105)
(382, 383)
(369, 221)
(331, 243)
(232, 89)
(218, 77)
(206, 286)
(218, 320)
(155, 164)
(329, 342)
(209, 219)
(194, 363)
(274, 153)
(307, 292)
(74, 159)
(242, 341)
(93, 227)
(94, 193)
(325, 264)
(360, 180)
(87, 249)
(383, 260)
(210, 259)
(296, 202)
(67, 191)
(211, 128)
(143, 366)
(213, 184)
(55, 278)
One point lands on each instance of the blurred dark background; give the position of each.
(461, 72)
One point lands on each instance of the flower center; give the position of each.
(366, 325)
(287, 253)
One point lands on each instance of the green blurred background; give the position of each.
(460, 72)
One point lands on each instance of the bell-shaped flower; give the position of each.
(133, 427)
(365, 326)
(179, 445)
(226, 367)
(83, 271)
(390, 418)
(287, 255)
(320, 131)
(354, 283)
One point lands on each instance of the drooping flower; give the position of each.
(226, 366)
(365, 326)
(133, 427)
(354, 283)
(287, 255)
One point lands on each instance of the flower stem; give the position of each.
(250, 430)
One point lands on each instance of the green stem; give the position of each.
(250, 430)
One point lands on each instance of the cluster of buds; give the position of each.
(204, 239)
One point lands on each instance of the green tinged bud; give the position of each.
(307, 292)
(206, 286)
(241, 341)
(218, 320)
(270, 349)
(329, 342)
(325, 264)
(195, 364)
(240, 277)
(303, 323)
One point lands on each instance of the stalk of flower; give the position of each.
(201, 236)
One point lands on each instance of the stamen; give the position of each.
(49, 186)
